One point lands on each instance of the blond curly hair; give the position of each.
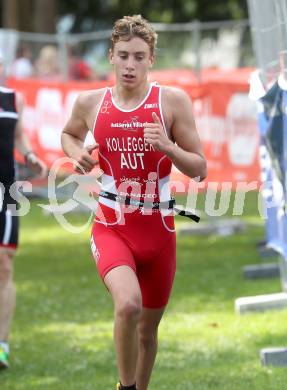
(134, 26)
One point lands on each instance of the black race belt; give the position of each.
(170, 204)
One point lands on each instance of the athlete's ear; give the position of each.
(151, 60)
(111, 56)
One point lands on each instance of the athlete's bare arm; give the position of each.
(183, 145)
(23, 145)
(75, 130)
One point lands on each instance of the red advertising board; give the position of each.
(225, 118)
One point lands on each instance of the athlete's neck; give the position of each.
(128, 98)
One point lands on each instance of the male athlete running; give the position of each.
(141, 129)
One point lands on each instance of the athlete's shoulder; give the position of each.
(87, 100)
(173, 93)
(90, 97)
(173, 98)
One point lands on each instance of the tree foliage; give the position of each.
(101, 13)
(88, 15)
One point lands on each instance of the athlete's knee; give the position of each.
(147, 335)
(129, 308)
(6, 266)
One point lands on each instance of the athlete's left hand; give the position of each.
(36, 165)
(155, 135)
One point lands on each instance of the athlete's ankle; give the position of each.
(133, 387)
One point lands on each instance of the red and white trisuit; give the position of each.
(141, 238)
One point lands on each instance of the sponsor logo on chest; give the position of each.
(150, 105)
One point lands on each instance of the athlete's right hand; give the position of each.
(86, 162)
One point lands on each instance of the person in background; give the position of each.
(47, 65)
(11, 135)
(78, 68)
(22, 67)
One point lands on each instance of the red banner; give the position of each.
(225, 118)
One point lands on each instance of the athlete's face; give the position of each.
(132, 61)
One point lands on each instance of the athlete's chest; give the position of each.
(115, 121)
(120, 134)
(121, 140)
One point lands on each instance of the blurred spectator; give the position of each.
(22, 67)
(78, 68)
(47, 65)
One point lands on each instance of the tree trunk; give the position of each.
(10, 14)
(45, 16)
(26, 20)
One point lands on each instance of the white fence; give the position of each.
(193, 45)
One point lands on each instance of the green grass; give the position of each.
(62, 330)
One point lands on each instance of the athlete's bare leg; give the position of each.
(7, 292)
(124, 287)
(147, 345)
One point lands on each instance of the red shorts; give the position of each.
(142, 243)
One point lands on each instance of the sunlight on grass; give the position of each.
(62, 336)
(77, 331)
(53, 233)
(40, 382)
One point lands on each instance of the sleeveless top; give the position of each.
(131, 166)
(8, 121)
